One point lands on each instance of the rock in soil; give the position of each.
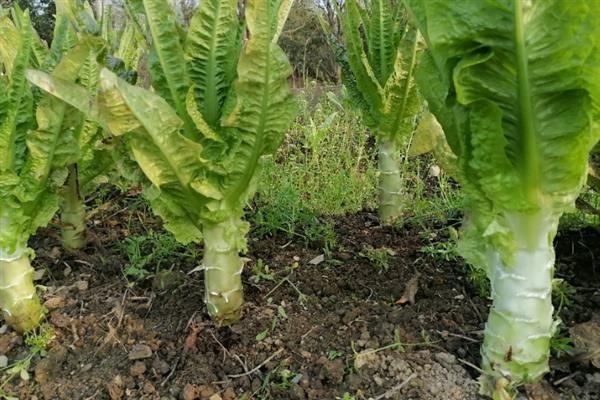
(139, 352)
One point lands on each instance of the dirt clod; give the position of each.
(137, 369)
(81, 286)
(334, 370)
(149, 388)
(55, 302)
(189, 392)
(48, 368)
(8, 341)
(115, 388)
(160, 366)
(59, 319)
(229, 394)
(206, 391)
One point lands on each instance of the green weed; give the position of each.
(326, 167)
(333, 354)
(149, 252)
(562, 294)
(262, 272)
(379, 258)
(38, 341)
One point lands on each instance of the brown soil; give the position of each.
(116, 339)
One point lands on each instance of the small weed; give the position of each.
(281, 315)
(322, 233)
(281, 312)
(440, 248)
(479, 280)
(302, 298)
(440, 251)
(346, 396)
(435, 201)
(261, 272)
(280, 378)
(379, 258)
(560, 343)
(333, 354)
(149, 252)
(562, 293)
(285, 379)
(397, 344)
(262, 335)
(38, 341)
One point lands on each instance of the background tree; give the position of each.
(42, 15)
(305, 43)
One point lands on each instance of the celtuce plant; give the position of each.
(97, 161)
(378, 60)
(34, 153)
(216, 109)
(72, 206)
(514, 84)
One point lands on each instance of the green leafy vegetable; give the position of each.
(36, 145)
(199, 137)
(379, 59)
(514, 84)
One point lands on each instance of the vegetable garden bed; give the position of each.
(305, 328)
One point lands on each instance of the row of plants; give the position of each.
(505, 93)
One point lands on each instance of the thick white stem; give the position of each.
(223, 271)
(392, 199)
(72, 213)
(520, 325)
(18, 300)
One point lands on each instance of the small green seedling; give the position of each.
(38, 341)
(379, 258)
(333, 354)
(262, 272)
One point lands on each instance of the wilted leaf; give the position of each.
(410, 291)
(317, 260)
(586, 337)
